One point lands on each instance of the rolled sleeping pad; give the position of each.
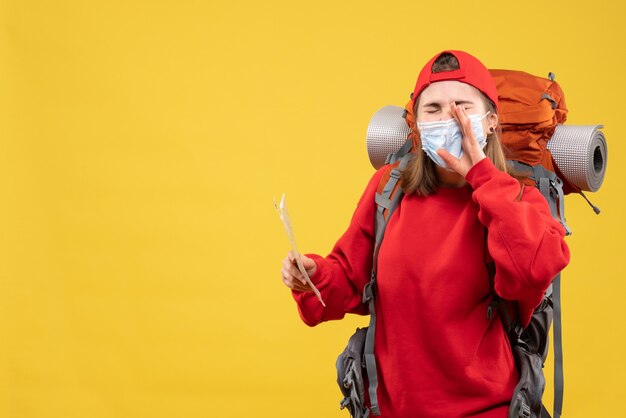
(580, 152)
(386, 133)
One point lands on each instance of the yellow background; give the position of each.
(142, 143)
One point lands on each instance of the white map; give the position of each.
(284, 216)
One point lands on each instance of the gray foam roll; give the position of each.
(386, 133)
(580, 152)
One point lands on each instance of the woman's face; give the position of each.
(435, 102)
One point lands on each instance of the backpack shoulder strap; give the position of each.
(404, 149)
(387, 198)
(551, 187)
(389, 191)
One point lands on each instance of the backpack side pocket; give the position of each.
(351, 374)
(526, 402)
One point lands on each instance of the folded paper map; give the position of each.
(284, 216)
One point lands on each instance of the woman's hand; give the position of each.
(472, 152)
(292, 278)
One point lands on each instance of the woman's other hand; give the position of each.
(292, 278)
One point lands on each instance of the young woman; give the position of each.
(437, 354)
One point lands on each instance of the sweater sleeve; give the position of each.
(525, 242)
(341, 276)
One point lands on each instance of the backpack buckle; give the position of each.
(344, 402)
(524, 411)
(368, 292)
(493, 305)
(515, 331)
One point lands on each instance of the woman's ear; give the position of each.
(492, 122)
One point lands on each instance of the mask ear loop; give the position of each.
(491, 130)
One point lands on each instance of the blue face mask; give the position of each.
(447, 134)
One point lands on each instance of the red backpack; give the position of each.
(530, 109)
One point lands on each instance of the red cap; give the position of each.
(471, 71)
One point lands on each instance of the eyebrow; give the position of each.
(458, 102)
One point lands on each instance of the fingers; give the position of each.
(291, 272)
(291, 276)
(451, 161)
(308, 263)
(469, 142)
(297, 286)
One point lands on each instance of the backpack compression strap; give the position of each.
(386, 203)
(558, 347)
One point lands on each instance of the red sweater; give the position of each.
(437, 353)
